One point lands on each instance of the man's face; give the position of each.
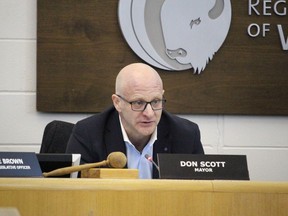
(138, 82)
(140, 124)
(144, 123)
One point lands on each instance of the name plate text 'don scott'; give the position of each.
(190, 166)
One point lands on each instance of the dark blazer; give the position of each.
(97, 136)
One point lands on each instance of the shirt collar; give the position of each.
(153, 137)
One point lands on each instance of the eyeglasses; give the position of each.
(140, 105)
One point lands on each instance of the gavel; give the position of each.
(114, 160)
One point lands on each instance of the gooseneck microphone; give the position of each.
(149, 158)
(114, 160)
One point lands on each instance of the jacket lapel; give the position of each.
(113, 138)
(162, 144)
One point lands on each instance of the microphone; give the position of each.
(114, 160)
(149, 158)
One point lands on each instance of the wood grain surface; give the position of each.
(130, 197)
(80, 50)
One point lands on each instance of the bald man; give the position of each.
(136, 125)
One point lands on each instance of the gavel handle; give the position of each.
(68, 170)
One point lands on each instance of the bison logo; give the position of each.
(175, 34)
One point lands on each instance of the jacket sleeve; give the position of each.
(183, 135)
(79, 143)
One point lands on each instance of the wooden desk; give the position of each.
(104, 197)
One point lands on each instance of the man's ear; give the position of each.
(116, 102)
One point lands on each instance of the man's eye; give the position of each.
(155, 102)
(139, 103)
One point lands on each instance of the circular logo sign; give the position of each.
(175, 34)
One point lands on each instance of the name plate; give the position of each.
(204, 167)
(19, 164)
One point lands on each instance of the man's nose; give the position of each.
(148, 109)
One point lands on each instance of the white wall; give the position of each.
(264, 139)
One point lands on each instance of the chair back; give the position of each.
(56, 136)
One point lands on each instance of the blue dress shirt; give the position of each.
(136, 159)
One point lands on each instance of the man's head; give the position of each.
(138, 83)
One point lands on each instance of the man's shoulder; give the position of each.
(175, 121)
(98, 118)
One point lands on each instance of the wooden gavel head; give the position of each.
(116, 160)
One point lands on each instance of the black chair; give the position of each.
(56, 136)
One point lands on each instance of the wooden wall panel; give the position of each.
(80, 50)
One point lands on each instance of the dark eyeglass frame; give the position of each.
(163, 101)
